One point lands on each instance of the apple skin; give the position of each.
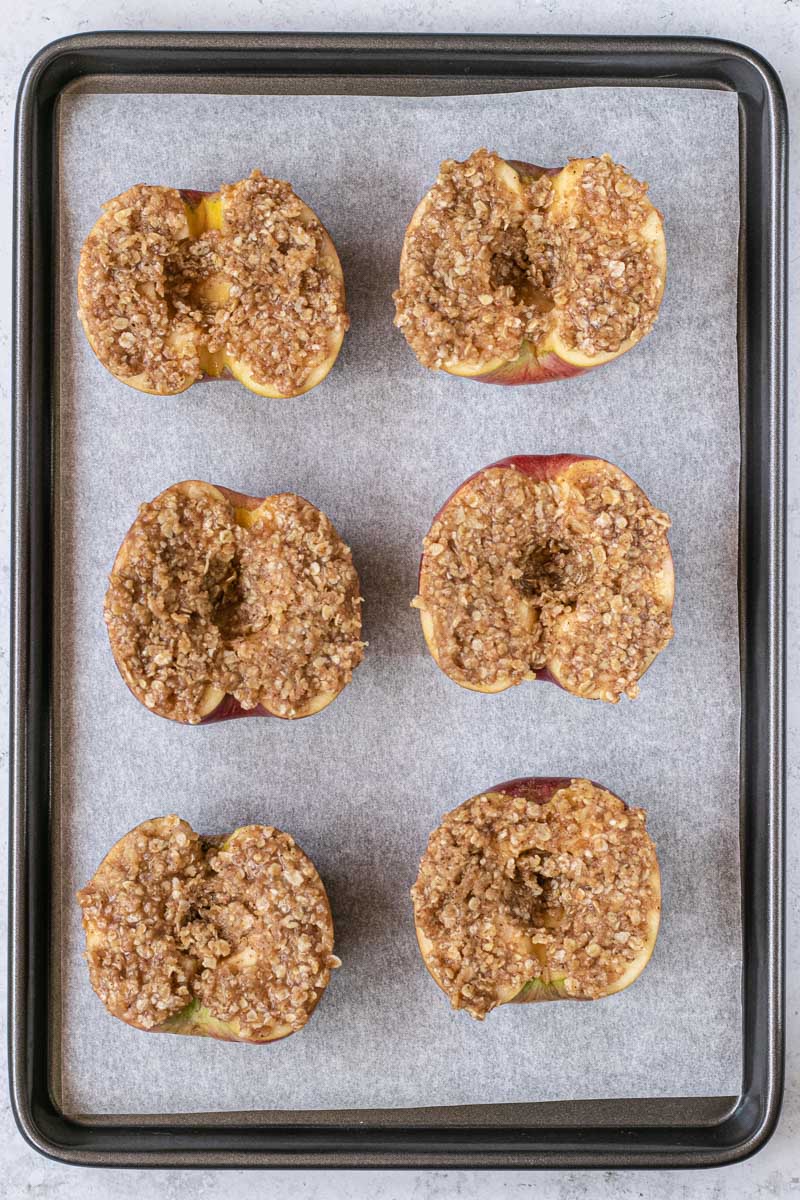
(529, 367)
(227, 708)
(539, 789)
(552, 360)
(196, 1021)
(539, 467)
(203, 211)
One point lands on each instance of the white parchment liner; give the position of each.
(379, 446)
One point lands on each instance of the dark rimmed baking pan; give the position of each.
(681, 1132)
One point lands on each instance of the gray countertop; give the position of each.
(771, 27)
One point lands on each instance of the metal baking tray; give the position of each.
(679, 1132)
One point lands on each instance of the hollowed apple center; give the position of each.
(520, 263)
(534, 901)
(532, 919)
(555, 570)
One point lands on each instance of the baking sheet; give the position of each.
(379, 446)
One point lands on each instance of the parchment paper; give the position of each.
(379, 446)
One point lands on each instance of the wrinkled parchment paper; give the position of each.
(379, 446)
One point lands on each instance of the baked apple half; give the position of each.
(177, 285)
(512, 273)
(539, 889)
(222, 605)
(224, 937)
(551, 567)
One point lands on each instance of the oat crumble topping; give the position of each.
(521, 575)
(267, 289)
(269, 614)
(512, 890)
(484, 270)
(241, 925)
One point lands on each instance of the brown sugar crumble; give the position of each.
(484, 269)
(521, 575)
(266, 289)
(269, 614)
(241, 926)
(511, 890)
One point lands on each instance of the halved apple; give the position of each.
(513, 273)
(177, 285)
(539, 889)
(550, 567)
(224, 937)
(223, 605)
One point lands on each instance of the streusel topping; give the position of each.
(485, 269)
(241, 925)
(130, 269)
(266, 288)
(520, 575)
(269, 614)
(511, 890)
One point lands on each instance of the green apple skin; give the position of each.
(196, 1021)
(537, 990)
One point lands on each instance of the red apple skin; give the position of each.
(229, 708)
(528, 367)
(541, 788)
(539, 467)
(193, 196)
(537, 788)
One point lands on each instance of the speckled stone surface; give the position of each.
(773, 28)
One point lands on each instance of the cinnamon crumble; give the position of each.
(190, 931)
(521, 576)
(157, 298)
(513, 891)
(199, 604)
(496, 257)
